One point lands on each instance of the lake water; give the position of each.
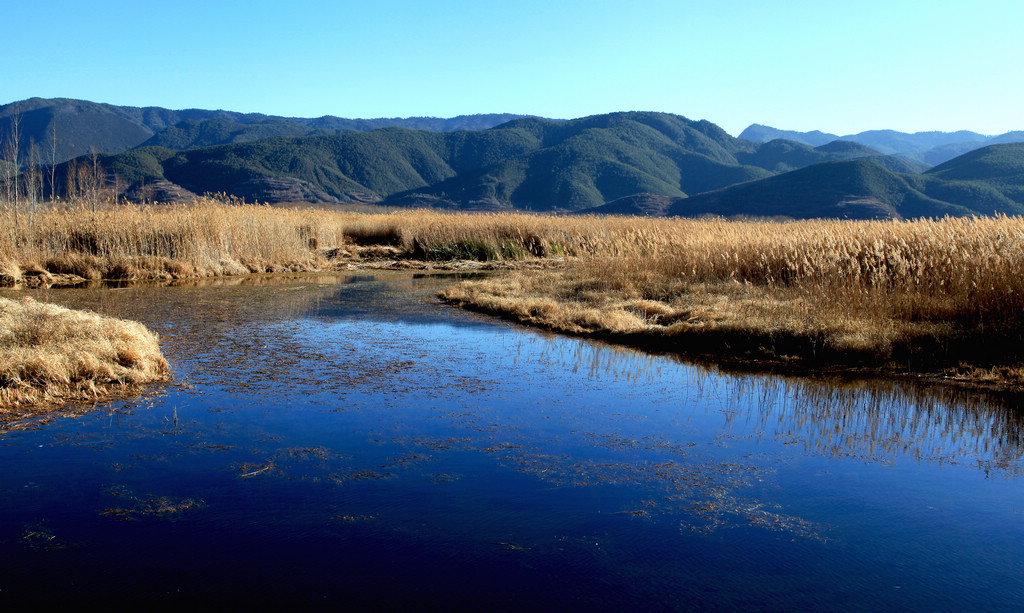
(341, 441)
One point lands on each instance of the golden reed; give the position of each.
(904, 294)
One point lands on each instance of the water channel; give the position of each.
(347, 441)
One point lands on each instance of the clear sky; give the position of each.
(837, 66)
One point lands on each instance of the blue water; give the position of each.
(347, 442)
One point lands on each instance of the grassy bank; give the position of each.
(922, 296)
(51, 355)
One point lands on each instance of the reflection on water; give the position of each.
(348, 439)
(869, 419)
(934, 424)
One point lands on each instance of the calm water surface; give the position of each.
(347, 442)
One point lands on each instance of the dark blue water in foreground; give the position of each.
(346, 442)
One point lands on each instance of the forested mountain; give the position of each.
(785, 155)
(528, 163)
(987, 181)
(642, 163)
(61, 128)
(758, 133)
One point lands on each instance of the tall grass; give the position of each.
(917, 293)
(203, 238)
(211, 237)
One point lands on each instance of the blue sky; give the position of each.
(839, 67)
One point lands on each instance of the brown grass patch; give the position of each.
(51, 355)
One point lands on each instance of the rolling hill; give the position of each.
(987, 181)
(528, 163)
(642, 163)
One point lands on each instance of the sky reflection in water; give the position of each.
(348, 441)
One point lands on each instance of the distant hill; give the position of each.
(196, 134)
(987, 181)
(589, 161)
(528, 163)
(762, 134)
(784, 155)
(82, 126)
(1003, 164)
(923, 148)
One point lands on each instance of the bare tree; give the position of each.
(71, 180)
(91, 179)
(53, 160)
(10, 160)
(14, 153)
(8, 170)
(95, 178)
(33, 177)
(118, 186)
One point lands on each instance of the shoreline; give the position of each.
(739, 361)
(731, 351)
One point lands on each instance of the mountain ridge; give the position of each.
(528, 163)
(83, 126)
(929, 148)
(634, 162)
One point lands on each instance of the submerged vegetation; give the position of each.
(937, 296)
(51, 355)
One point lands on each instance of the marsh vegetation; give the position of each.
(927, 295)
(938, 296)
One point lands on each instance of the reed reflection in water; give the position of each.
(865, 418)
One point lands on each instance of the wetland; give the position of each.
(345, 439)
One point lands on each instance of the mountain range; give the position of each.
(78, 127)
(927, 148)
(642, 163)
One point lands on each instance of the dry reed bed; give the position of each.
(199, 239)
(51, 355)
(918, 295)
(209, 237)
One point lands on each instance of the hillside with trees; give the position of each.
(988, 181)
(71, 128)
(642, 163)
(527, 163)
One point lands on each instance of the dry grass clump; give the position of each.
(918, 294)
(50, 354)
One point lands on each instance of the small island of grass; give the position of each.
(50, 355)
